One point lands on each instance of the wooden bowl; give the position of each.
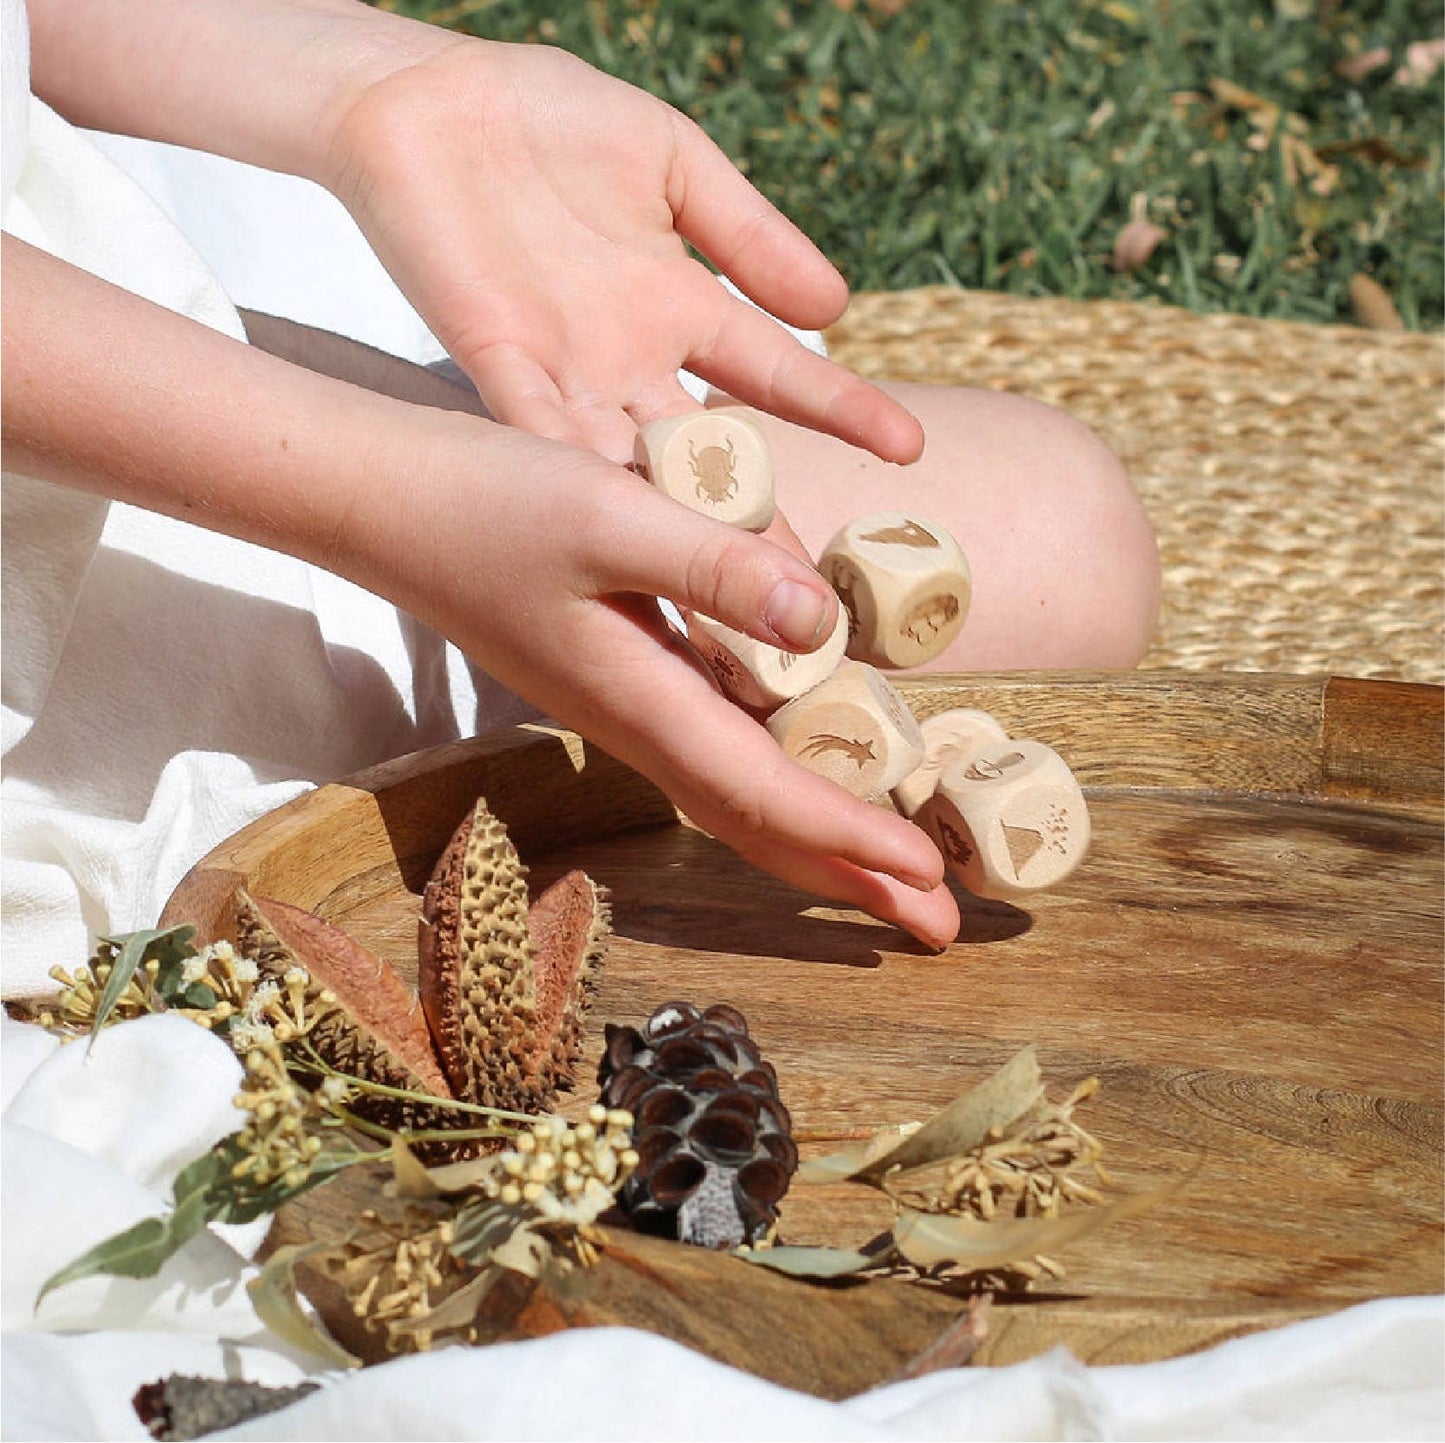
(1249, 960)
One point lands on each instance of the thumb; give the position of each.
(651, 544)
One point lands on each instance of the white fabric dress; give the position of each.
(145, 718)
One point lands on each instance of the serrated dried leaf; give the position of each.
(477, 1229)
(996, 1102)
(933, 1239)
(811, 1262)
(454, 1177)
(273, 1295)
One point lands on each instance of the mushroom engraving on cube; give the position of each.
(948, 736)
(1010, 820)
(905, 583)
(758, 674)
(854, 728)
(716, 462)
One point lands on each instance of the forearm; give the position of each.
(105, 392)
(265, 81)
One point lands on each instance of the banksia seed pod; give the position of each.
(505, 987)
(714, 1144)
(371, 1027)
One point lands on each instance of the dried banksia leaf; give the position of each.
(181, 1407)
(713, 1140)
(373, 1027)
(505, 986)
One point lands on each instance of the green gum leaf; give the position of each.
(169, 945)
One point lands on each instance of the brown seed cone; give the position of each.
(505, 992)
(376, 1030)
(713, 1139)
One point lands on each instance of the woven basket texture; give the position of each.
(1295, 473)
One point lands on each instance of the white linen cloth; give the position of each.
(146, 717)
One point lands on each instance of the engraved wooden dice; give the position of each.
(854, 728)
(758, 674)
(716, 462)
(1009, 820)
(948, 736)
(905, 584)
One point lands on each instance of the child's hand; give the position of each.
(535, 211)
(540, 561)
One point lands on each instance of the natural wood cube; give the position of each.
(717, 462)
(948, 736)
(905, 583)
(758, 674)
(854, 728)
(1009, 820)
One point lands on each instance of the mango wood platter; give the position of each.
(1250, 959)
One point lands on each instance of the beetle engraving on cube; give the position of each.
(715, 468)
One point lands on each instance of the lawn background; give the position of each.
(1003, 146)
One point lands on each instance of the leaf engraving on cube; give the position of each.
(906, 586)
(716, 470)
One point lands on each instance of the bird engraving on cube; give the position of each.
(1020, 814)
(854, 729)
(906, 584)
(957, 734)
(714, 461)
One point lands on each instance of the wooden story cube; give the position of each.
(905, 583)
(948, 736)
(717, 462)
(1009, 820)
(854, 728)
(758, 674)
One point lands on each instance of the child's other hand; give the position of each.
(536, 212)
(542, 563)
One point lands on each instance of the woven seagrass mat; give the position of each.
(1293, 472)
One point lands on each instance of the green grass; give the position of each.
(1000, 144)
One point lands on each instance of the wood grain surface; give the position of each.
(1249, 959)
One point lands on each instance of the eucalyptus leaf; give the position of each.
(480, 1227)
(169, 945)
(141, 1251)
(930, 1239)
(453, 1177)
(812, 1262)
(273, 1295)
(409, 1178)
(456, 1310)
(239, 1200)
(840, 1166)
(996, 1102)
(524, 1251)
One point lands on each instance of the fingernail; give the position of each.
(797, 613)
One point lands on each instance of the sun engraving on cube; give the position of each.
(989, 769)
(954, 845)
(725, 666)
(910, 533)
(856, 749)
(929, 617)
(715, 468)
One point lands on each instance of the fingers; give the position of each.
(720, 212)
(754, 359)
(637, 540)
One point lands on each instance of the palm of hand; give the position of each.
(538, 213)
